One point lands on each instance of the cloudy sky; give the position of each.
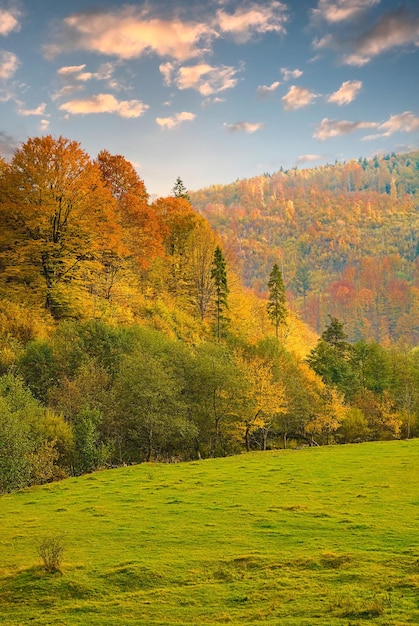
(212, 91)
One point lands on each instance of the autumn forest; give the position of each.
(279, 311)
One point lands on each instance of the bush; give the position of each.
(51, 551)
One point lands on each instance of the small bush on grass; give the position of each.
(51, 551)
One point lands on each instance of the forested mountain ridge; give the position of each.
(345, 235)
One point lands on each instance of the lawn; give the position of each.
(323, 536)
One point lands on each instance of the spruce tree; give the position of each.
(179, 189)
(219, 276)
(277, 304)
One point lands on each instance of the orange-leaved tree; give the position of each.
(56, 218)
(142, 237)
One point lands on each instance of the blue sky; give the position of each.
(212, 91)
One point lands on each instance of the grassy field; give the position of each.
(325, 536)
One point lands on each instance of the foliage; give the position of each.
(221, 290)
(108, 353)
(346, 235)
(277, 306)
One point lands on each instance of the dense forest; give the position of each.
(126, 334)
(346, 236)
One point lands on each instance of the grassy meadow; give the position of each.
(325, 536)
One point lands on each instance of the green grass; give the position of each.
(325, 536)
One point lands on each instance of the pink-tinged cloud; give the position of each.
(406, 122)
(298, 97)
(243, 127)
(8, 64)
(328, 129)
(335, 11)
(266, 90)
(39, 110)
(206, 79)
(9, 21)
(248, 21)
(175, 120)
(105, 103)
(346, 93)
(129, 33)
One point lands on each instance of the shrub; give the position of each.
(51, 551)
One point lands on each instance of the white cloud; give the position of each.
(105, 103)
(405, 122)
(246, 127)
(346, 93)
(334, 128)
(334, 11)
(128, 33)
(308, 158)
(266, 90)
(298, 97)
(254, 19)
(39, 110)
(8, 64)
(44, 125)
(9, 20)
(205, 78)
(175, 120)
(290, 74)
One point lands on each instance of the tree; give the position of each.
(201, 285)
(56, 217)
(149, 409)
(330, 359)
(219, 276)
(179, 190)
(277, 306)
(264, 398)
(141, 237)
(302, 283)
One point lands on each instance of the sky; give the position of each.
(212, 91)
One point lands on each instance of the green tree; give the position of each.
(179, 189)
(150, 416)
(277, 305)
(330, 359)
(302, 283)
(219, 277)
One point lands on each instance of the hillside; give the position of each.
(345, 236)
(320, 537)
(127, 336)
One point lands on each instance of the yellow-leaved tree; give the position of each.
(263, 399)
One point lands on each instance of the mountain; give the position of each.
(345, 236)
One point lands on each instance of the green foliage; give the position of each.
(277, 305)
(179, 189)
(39, 368)
(219, 277)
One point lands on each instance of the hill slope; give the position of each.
(346, 236)
(319, 536)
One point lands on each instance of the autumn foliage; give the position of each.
(126, 334)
